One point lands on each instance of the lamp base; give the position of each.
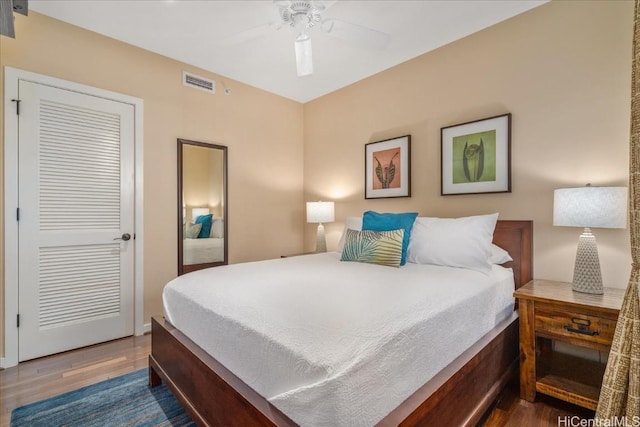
(321, 241)
(587, 277)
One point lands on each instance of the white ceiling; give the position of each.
(190, 31)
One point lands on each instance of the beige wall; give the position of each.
(263, 133)
(563, 70)
(202, 179)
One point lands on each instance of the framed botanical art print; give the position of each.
(388, 168)
(476, 156)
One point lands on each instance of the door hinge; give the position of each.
(17, 214)
(17, 101)
(18, 320)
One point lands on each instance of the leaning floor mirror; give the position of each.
(202, 205)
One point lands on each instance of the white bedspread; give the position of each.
(201, 251)
(335, 343)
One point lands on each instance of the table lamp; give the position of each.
(589, 207)
(319, 212)
(196, 212)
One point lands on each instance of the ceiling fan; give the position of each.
(303, 15)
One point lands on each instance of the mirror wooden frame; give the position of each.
(182, 269)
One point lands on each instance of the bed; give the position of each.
(197, 253)
(460, 392)
(203, 251)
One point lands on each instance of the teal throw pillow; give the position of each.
(375, 247)
(206, 221)
(391, 221)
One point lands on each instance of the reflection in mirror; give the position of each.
(202, 205)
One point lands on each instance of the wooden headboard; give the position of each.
(516, 237)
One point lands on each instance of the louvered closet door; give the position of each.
(76, 195)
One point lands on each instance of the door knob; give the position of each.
(125, 237)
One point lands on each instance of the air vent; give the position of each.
(198, 82)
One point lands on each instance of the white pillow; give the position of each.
(217, 228)
(499, 255)
(353, 223)
(453, 242)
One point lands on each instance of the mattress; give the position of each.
(335, 343)
(201, 251)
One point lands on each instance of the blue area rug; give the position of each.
(120, 401)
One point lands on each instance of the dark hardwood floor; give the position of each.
(41, 378)
(510, 410)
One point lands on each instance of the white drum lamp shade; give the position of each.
(319, 212)
(589, 207)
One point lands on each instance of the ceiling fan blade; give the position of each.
(250, 34)
(304, 61)
(356, 34)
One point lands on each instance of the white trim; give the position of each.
(2, 363)
(138, 316)
(10, 223)
(147, 329)
(11, 78)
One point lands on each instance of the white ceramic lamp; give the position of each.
(589, 207)
(319, 212)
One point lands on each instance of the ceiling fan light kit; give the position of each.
(304, 61)
(304, 15)
(307, 13)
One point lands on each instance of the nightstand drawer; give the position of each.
(584, 327)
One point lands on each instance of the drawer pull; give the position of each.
(581, 322)
(581, 331)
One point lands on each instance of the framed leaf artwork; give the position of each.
(388, 168)
(476, 157)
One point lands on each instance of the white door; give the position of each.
(76, 199)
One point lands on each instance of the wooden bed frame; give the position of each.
(460, 394)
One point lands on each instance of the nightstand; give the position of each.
(552, 311)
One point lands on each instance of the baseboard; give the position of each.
(146, 328)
